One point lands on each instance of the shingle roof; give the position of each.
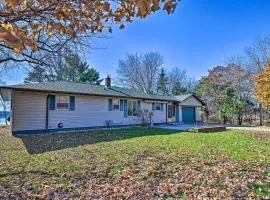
(67, 87)
(139, 94)
(84, 88)
(183, 97)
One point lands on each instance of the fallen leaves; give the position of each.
(260, 136)
(90, 171)
(155, 176)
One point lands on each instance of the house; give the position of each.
(67, 106)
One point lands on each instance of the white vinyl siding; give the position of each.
(91, 111)
(198, 114)
(29, 111)
(159, 116)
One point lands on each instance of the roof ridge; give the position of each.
(84, 83)
(119, 91)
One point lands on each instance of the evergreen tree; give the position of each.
(162, 83)
(73, 69)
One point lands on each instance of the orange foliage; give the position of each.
(21, 21)
(262, 82)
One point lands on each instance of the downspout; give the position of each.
(47, 115)
(166, 113)
(12, 110)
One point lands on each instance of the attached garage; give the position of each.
(188, 114)
(190, 108)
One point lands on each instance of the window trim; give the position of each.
(56, 102)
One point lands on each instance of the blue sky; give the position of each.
(198, 36)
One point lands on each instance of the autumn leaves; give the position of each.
(262, 82)
(23, 21)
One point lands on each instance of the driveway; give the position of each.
(185, 127)
(180, 127)
(250, 128)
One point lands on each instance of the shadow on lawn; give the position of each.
(51, 142)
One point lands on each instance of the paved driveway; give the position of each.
(250, 128)
(185, 127)
(180, 127)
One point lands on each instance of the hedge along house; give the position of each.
(67, 106)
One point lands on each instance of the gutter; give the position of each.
(88, 94)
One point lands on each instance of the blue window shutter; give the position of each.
(72, 103)
(153, 107)
(139, 105)
(161, 107)
(51, 102)
(125, 109)
(121, 104)
(110, 105)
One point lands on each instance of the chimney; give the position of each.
(108, 81)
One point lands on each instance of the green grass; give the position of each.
(39, 164)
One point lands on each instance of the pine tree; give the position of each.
(73, 69)
(162, 83)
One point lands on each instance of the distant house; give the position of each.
(67, 106)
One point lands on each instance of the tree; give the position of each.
(162, 83)
(4, 106)
(257, 55)
(262, 82)
(209, 90)
(91, 76)
(226, 101)
(140, 71)
(226, 91)
(180, 82)
(37, 75)
(69, 69)
(23, 20)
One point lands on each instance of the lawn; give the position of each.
(136, 164)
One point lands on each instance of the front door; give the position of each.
(171, 113)
(188, 114)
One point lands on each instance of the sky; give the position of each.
(199, 35)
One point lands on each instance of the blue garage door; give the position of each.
(188, 114)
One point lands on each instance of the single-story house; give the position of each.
(68, 106)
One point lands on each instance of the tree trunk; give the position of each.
(5, 113)
(224, 120)
(261, 114)
(240, 119)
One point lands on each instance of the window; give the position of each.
(115, 104)
(132, 108)
(62, 102)
(135, 108)
(171, 111)
(158, 106)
